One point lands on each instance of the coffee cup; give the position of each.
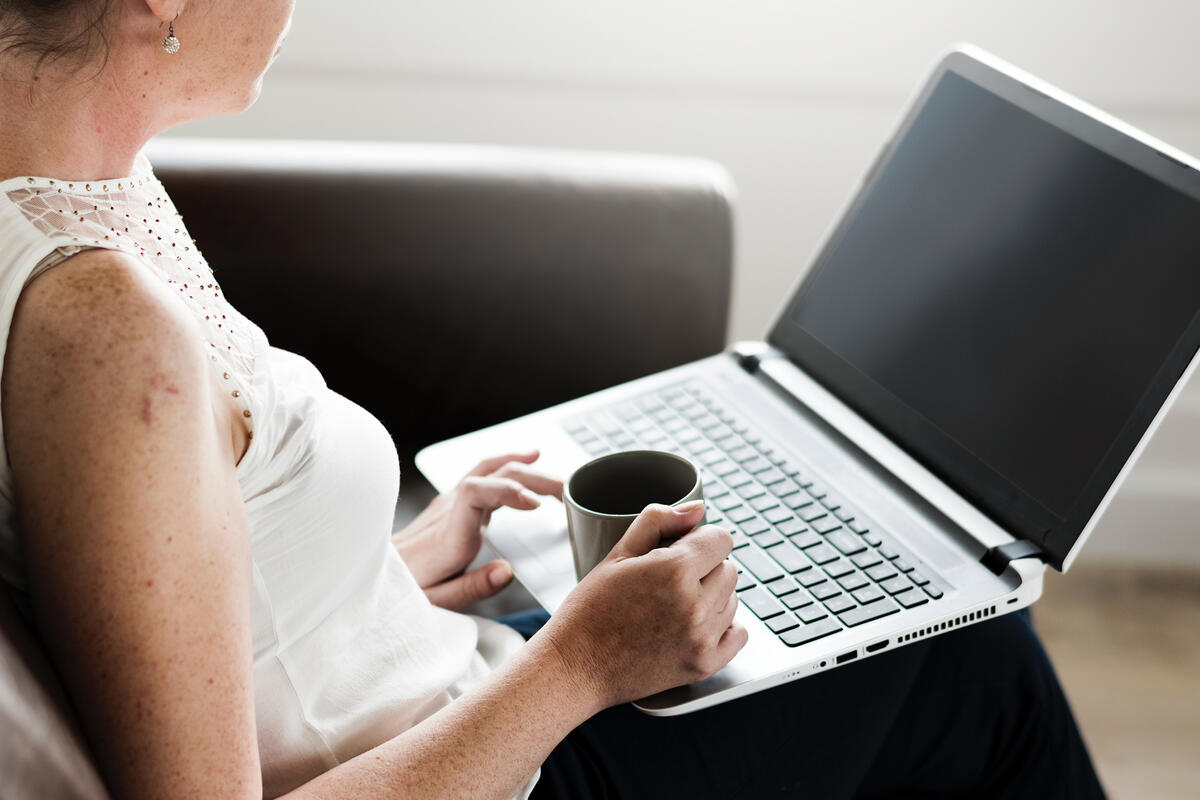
(605, 496)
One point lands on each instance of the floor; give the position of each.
(1126, 644)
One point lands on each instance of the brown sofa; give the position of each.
(444, 288)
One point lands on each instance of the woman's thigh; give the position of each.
(976, 711)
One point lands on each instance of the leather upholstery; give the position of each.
(443, 288)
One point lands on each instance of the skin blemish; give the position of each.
(146, 416)
(171, 389)
(150, 582)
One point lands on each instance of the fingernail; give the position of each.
(689, 507)
(530, 497)
(500, 575)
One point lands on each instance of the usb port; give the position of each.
(875, 648)
(844, 657)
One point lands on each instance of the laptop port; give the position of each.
(844, 657)
(875, 648)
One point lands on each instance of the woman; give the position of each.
(201, 524)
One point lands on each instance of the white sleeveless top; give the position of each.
(348, 652)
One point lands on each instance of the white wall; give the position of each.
(793, 96)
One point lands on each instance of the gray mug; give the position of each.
(605, 496)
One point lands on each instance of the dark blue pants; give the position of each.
(976, 712)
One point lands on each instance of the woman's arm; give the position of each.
(133, 529)
(139, 568)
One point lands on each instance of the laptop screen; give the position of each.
(1011, 297)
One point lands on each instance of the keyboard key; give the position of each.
(791, 526)
(902, 565)
(768, 538)
(822, 553)
(726, 501)
(896, 584)
(826, 590)
(855, 580)
(763, 502)
(845, 513)
(840, 604)
(759, 563)
(810, 577)
(826, 524)
(711, 456)
(754, 526)
(777, 515)
(790, 557)
(864, 614)
(871, 539)
(838, 568)
(813, 512)
(809, 633)
(784, 586)
(916, 577)
(812, 613)
(723, 469)
(739, 515)
(832, 501)
(807, 539)
(760, 601)
(785, 487)
(911, 598)
(845, 541)
(881, 572)
(771, 476)
(796, 600)
(752, 490)
(756, 465)
(889, 552)
(743, 453)
(737, 478)
(932, 591)
(867, 559)
(799, 502)
(868, 594)
(783, 622)
(745, 581)
(739, 539)
(857, 525)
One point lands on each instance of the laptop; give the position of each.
(967, 372)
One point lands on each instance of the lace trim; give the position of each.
(136, 216)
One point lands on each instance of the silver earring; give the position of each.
(171, 44)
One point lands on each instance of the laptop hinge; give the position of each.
(748, 361)
(997, 558)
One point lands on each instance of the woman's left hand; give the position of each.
(445, 537)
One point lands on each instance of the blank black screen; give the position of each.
(1014, 286)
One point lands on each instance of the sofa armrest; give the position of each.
(449, 287)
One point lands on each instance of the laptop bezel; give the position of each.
(1009, 506)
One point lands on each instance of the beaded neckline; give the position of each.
(136, 216)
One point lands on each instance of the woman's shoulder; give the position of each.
(98, 327)
(98, 297)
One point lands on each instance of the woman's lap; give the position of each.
(973, 712)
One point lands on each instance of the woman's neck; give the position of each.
(76, 128)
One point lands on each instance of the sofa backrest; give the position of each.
(449, 287)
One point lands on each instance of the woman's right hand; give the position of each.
(648, 618)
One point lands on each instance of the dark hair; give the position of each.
(55, 30)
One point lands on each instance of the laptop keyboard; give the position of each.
(809, 563)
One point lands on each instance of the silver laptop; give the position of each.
(979, 353)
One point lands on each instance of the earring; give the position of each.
(171, 44)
